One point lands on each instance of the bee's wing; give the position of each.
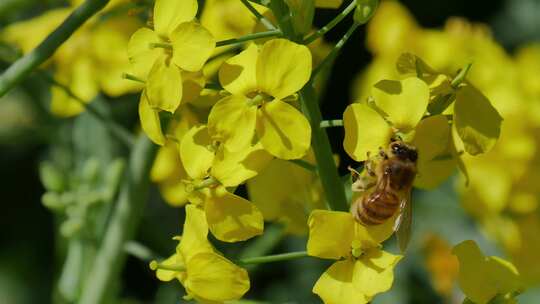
(403, 222)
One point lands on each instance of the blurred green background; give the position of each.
(31, 253)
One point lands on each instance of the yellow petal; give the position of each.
(141, 56)
(283, 130)
(196, 153)
(384, 37)
(212, 277)
(324, 226)
(237, 74)
(192, 46)
(232, 218)
(477, 122)
(192, 85)
(165, 162)
(365, 131)
(164, 86)
(79, 78)
(374, 272)
(40, 27)
(174, 191)
(168, 275)
(168, 15)
(372, 236)
(194, 237)
(435, 160)
(233, 168)
(403, 101)
(229, 19)
(232, 121)
(481, 278)
(169, 171)
(292, 72)
(335, 286)
(286, 193)
(150, 122)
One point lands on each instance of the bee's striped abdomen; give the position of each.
(377, 207)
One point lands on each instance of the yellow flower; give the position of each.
(257, 106)
(398, 109)
(168, 170)
(227, 19)
(362, 270)
(483, 278)
(441, 264)
(206, 275)
(211, 168)
(164, 57)
(286, 193)
(83, 70)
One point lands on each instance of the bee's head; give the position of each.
(403, 151)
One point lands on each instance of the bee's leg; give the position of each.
(369, 168)
(355, 175)
(363, 183)
(382, 153)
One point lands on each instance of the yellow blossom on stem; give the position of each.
(362, 269)
(163, 57)
(210, 168)
(258, 105)
(206, 275)
(481, 277)
(286, 193)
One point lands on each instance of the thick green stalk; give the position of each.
(22, 67)
(326, 166)
(122, 225)
(331, 182)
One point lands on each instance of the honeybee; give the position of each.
(386, 189)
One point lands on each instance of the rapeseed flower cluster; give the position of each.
(84, 70)
(501, 193)
(227, 100)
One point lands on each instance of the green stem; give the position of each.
(460, 77)
(116, 130)
(331, 182)
(331, 123)
(325, 29)
(258, 15)
(273, 258)
(254, 36)
(263, 244)
(335, 51)
(111, 256)
(22, 67)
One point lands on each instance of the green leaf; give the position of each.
(477, 122)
